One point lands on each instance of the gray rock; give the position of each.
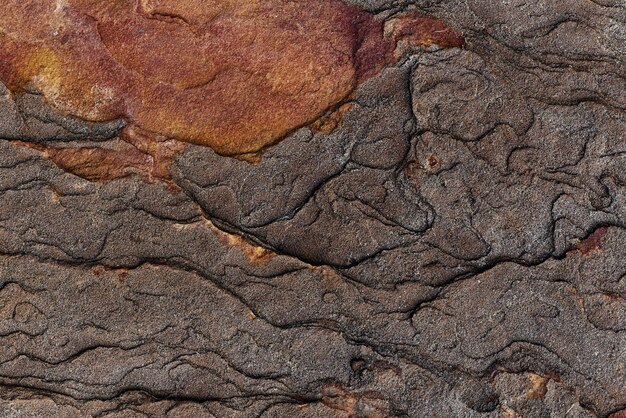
(456, 248)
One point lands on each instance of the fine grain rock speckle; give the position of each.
(430, 223)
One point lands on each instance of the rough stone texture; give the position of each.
(233, 75)
(457, 247)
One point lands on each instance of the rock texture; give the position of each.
(233, 75)
(452, 242)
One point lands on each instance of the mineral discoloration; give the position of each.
(592, 243)
(411, 261)
(538, 386)
(140, 155)
(235, 76)
(366, 404)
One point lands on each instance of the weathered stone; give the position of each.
(449, 239)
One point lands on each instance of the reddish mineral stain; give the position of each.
(233, 75)
(592, 243)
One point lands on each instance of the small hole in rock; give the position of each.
(357, 365)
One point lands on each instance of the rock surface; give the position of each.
(454, 244)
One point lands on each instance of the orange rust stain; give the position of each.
(433, 161)
(335, 396)
(410, 30)
(99, 270)
(618, 414)
(329, 123)
(539, 386)
(255, 254)
(105, 164)
(233, 75)
(507, 412)
(98, 164)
